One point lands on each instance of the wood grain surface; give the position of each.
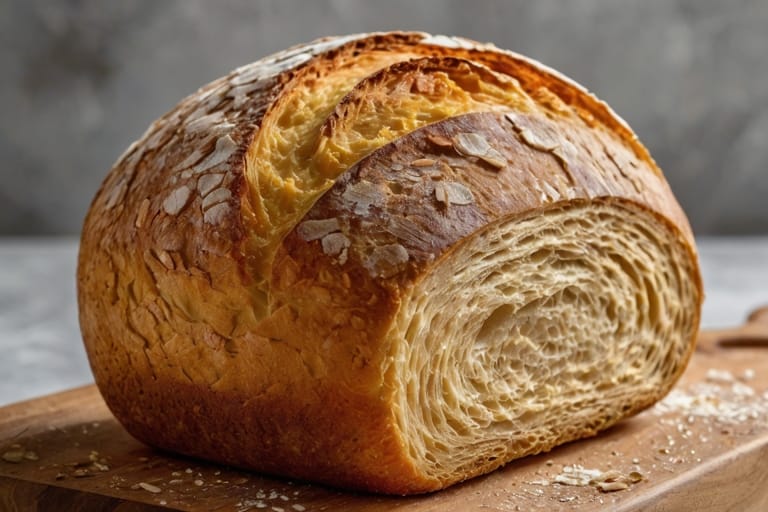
(704, 448)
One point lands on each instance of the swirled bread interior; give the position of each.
(558, 333)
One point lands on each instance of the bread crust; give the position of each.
(193, 355)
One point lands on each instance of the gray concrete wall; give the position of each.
(81, 79)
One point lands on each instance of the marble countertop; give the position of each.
(40, 337)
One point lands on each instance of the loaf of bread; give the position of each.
(387, 262)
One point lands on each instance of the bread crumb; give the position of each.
(150, 488)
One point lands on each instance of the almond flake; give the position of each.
(225, 148)
(166, 260)
(208, 182)
(474, 144)
(423, 162)
(117, 193)
(214, 123)
(216, 213)
(176, 200)
(449, 192)
(471, 144)
(387, 260)
(336, 244)
(310, 230)
(537, 142)
(219, 195)
(141, 216)
(439, 141)
(362, 194)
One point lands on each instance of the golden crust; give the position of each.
(196, 297)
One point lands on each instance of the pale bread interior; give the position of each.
(538, 331)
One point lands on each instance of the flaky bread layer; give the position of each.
(569, 320)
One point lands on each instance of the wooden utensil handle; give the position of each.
(754, 333)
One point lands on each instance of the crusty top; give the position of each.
(199, 165)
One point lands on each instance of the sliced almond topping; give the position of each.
(141, 216)
(471, 144)
(440, 141)
(219, 195)
(176, 200)
(494, 158)
(208, 182)
(387, 260)
(211, 123)
(423, 162)
(362, 195)
(474, 144)
(315, 229)
(449, 192)
(116, 194)
(225, 148)
(541, 142)
(166, 260)
(336, 244)
(537, 142)
(216, 213)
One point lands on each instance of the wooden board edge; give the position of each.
(18, 495)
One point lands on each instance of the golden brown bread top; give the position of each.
(238, 188)
(427, 190)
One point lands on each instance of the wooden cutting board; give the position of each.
(704, 448)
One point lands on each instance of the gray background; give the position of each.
(81, 79)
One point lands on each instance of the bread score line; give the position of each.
(386, 262)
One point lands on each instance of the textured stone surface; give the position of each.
(43, 352)
(82, 79)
